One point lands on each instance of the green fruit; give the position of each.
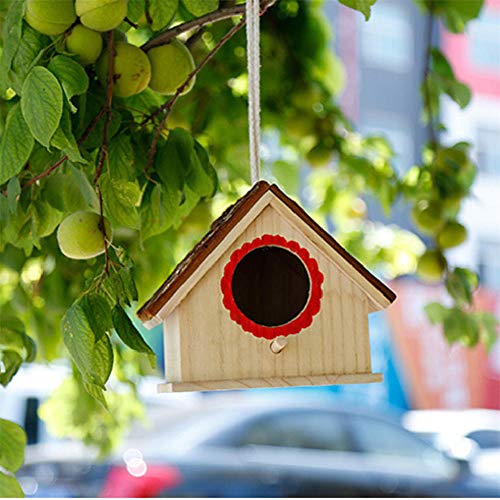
(319, 155)
(50, 17)
(132, 69)
(80, 235)
(171, 64)
(428, 216)
(306, 97)
(324, 127)
(85, 43)
(298, 125)
(453, 203)
(101, 15)
(452, 235)
(431, 265)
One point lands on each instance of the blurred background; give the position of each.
(432, 428)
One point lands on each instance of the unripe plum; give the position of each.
(50, 17)
(80, 235)
(319, 155)
(431, 266)
(171, 64)
(132, 69)
(85, 43)
(428, 216)
(101, 15)
(452, 235)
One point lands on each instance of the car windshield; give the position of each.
(179, 431)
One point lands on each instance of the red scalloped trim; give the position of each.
(304, 319)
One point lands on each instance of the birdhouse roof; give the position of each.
(224, 225)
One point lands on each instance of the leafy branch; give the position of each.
(167, 107)
(103, 154)
(451, 172)
(200, 22)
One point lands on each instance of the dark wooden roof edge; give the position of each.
(300, 212)
(222, 226)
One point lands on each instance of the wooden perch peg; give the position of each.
(278, 344)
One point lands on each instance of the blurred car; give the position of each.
(20, 400)
(55, 458)
(477, 429)
(272, 448)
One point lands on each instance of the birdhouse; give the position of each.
(266, 299)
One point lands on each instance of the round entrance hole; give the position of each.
(271, 286)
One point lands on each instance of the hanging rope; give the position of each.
(253, 64)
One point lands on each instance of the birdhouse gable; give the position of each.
(300, 278)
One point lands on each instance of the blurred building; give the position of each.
(384, 61)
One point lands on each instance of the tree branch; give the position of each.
(211, 17)
(103, 154)
(43, 174)
(162, 38)
(425, 81)
(59, 162)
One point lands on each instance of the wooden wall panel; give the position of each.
(214, 348)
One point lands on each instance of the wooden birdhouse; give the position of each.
(266, 299)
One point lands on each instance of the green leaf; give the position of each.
(436, 312)
(200, 7)
(121, 158)
(85, 189)
(96, 392)
(42, 104)
(121, 287)
(442, 80)
(128, 284)
(363, 6)
(488, 327)
(129, 334)
(168, 165)
(9, 487)
(11, 362)
(92, 355)
(461, 326)
(12, 32)
(162, 12)
(207, 167)
(159, 210)
(13, 191)
(98, 314)
(15, 348)
(14, 153)
(460, 283)
(458, 13)
(31, 48)
(94, 140)
(45, 218)
(135, 9)
(121, 199)
(65, 140)
(53, 190)
(71, 75)
(440, 64)
(183, 156)
(460, 93)
(12, 444)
